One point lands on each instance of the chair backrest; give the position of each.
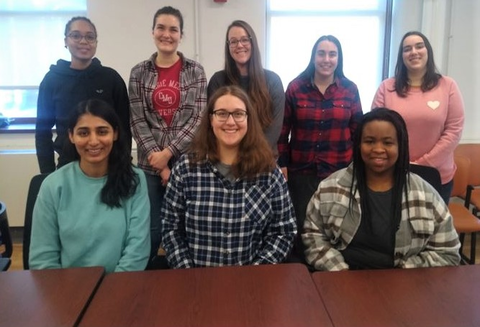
(33, 189)
(471, 151)
(6, 236)
(430, 174)
(460, 179)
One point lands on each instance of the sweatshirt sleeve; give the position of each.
(122, 106)
(45, 244)
(215, 82)
(43, 129)
(277, 95)
(136, 252)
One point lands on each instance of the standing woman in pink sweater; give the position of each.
(431, 105)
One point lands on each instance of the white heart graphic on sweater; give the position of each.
(433, 104)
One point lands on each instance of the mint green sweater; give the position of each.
(72, 228)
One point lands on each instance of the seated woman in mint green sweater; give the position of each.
(93, 211)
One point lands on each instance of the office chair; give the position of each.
(33, 189)
(463, 220)
(429, 174)
(5, 239)
(472, 194)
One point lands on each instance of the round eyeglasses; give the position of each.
(233, 43)
(77, 37)
(221, 115)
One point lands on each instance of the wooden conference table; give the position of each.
(50, 298)
(267, 295)
(447, 296)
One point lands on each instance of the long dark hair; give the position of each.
(122, 181)
(310, 70)
(255, 155)
(431, 77)
(402, 165)
(257, 89)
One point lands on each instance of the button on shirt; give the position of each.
(317, 130)
(211, 221)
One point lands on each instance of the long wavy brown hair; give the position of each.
(431, 77)
(257, 89)
(255, 155)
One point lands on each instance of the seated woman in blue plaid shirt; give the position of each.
(227, 202)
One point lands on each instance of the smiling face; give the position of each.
(167, 34)
(229, 133)
(379, 148)
(326, 60)
(415, 54)
(93, 138)
(241, 51)
(81, 50)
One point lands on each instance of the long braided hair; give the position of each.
(402, 166)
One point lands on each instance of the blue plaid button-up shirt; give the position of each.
(211, 221)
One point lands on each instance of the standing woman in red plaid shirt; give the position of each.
(322, 110)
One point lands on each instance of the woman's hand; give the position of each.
(165, 175)
(159, 160)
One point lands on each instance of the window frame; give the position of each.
(384, 10)
(12, 10)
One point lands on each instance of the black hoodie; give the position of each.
(61, 90)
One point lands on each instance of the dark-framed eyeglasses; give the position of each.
(233, 43)
(77, 37)
(222, 115)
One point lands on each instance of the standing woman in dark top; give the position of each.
(243, 67)
(322, 110)
(70, 82)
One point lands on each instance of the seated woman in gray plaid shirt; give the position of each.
(374, 213)
(227, 202)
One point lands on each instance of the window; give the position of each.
(31, 34)
(294, 26)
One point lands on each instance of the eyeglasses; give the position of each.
(222, 115)
(244, 41)
(77, 37)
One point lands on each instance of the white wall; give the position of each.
(124, 28)
(129, 29)
(463, 62)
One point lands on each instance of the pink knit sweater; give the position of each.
(434, 121)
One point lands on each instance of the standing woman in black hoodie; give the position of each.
(70, 82)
